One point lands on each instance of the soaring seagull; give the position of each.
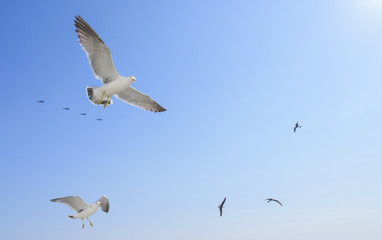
(274, 200)
(296, 126)
(82, 208)
(100, 60)
(66, 108)
(83, 114)
(221, 207)
(40, 101)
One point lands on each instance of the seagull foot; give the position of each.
(107, 102)
(103, 93)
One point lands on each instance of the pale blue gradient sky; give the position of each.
(235, 76)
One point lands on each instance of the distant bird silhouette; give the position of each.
(83, 114)
(274, 200)
(66, 108)
(296, 126)
(221, 207)
(99, 119)
(40, 101)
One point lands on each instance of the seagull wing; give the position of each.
(223, 202)
(99, 55)
(74, 202)
(294, 130)
(136, 98)
(277, 201)
(105, 203)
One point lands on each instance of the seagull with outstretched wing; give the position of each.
(82, 208)
(296, 126)
(100, 60)
(221, 207)
(273, 200)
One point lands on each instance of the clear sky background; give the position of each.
(235, 76)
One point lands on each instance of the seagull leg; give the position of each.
(101, 97)
(83, 224)
(91, 224)
(107, 101)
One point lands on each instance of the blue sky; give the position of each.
(235, 76)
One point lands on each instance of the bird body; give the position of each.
(87, 212)
(221, 207)
(274, 200)
(296, 126)
(96, 94)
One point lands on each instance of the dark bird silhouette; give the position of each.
(99, 119)
(274, 200)
(66, 108)
(83, 114)
(40, 101)
(221, 207)
(296, 126)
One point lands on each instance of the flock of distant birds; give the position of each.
(67, 109)
(100, 60)
(268, 199)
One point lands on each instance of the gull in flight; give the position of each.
(221, 207)
(82, 208)
(40, 101)
(100, 60)
(66, 108)
(99, 119)
(274, 200)
(296, 126)
(83, 114)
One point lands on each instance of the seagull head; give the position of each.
(99, 203)
(132, 78)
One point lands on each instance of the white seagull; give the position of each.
(83, 209)
(100, 60)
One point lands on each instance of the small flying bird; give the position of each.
(82, 208)
(221, 207)
(100, 60)
(83, 114)
(66, 108)
(296, 126)
(274, 200)
(99, 119)
(40, 101)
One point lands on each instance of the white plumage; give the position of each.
(83, 209)
(100, 60)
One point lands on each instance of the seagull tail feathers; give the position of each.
(95, 96)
